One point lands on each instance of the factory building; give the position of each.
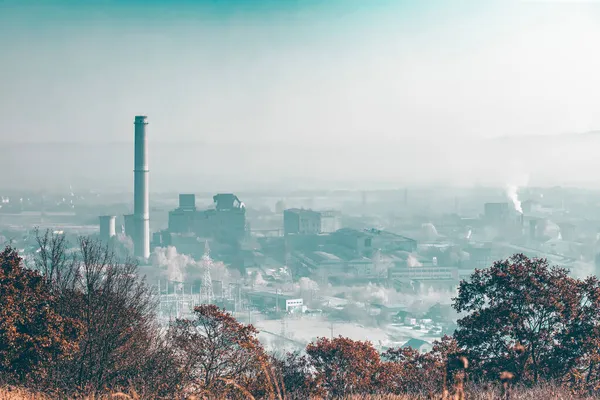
(388, 241)
(226, 222)
(496, 212)
(480, 256)
(181, 220)
(364, 242)
(301, 222)
(433, 272)
(330, 221)
(187, 202)
(336, 266)
(273, 300)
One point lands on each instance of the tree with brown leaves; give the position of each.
(344, 366)
(405, 370)
(218, 353)
(525, 303)
(33, 336)
(298, 377)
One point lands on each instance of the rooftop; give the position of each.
(227, 201)
(303, 211)
(326, 256)
(372, 233)
(386, 234)
(351, 232)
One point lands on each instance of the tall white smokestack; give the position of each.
(141, 209)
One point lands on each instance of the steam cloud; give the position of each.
(175, 263)
(372, 293)
(512, 189)
(412, 261)
(511, 192)
(181, 267)
(307, 284)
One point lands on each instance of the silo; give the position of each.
(107, 227)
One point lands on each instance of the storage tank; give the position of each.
(107, 227)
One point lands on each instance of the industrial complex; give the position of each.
(337, 260)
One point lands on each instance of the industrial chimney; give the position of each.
(107, 227)
(141, 209)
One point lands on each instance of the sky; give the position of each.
(353, 76)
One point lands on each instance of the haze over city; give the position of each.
(299, 199)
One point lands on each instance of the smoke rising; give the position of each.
(181, 267)
(511, 192)
(258, 280)
(373, 293)
(168, 259)
(412, 261)
(306, 284)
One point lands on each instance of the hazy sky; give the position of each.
(298, 71)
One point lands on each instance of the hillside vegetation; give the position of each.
(82, 325)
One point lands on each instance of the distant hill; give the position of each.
(570, 159)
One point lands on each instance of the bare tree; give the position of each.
(116, 308)
(53, 260)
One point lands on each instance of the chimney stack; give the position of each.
(141, 209)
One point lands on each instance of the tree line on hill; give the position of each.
(84, 322)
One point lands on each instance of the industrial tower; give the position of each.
(141, 209)
(206, 293)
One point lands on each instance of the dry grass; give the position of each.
(12, 393)
(541, 393)
(454, 389)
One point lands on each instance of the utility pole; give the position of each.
(207, 288)
(331, 328)
(283, 322)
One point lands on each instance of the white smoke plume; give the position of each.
(220, 272)
(175, 264)
(183, 268)
(258, 279)
(373, 293)
(429, 231)
(412, 261)
(369, 294)
(125, 242)
(511, 192)
(306, 284)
